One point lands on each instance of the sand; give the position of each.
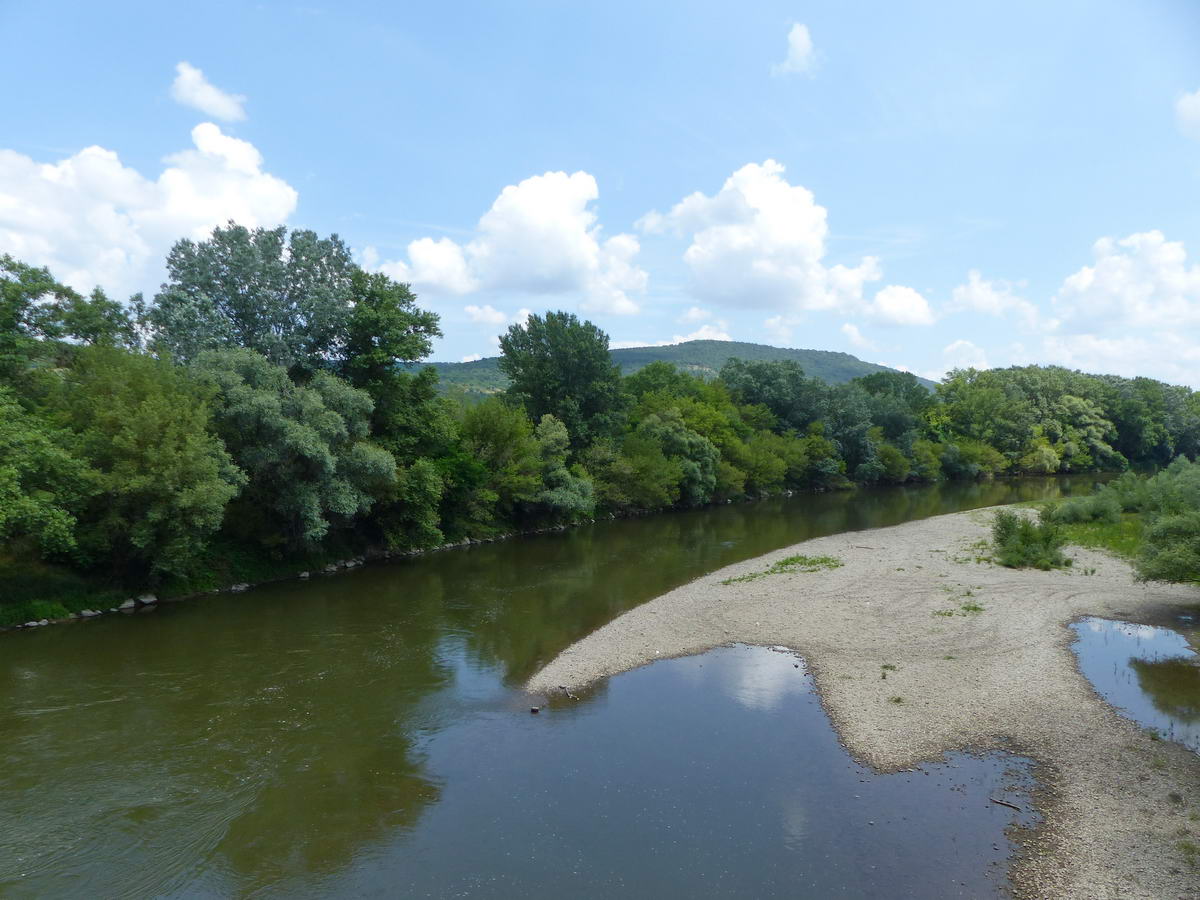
(1120, 809)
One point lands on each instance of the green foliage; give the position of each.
(162, 478)
(385, 327)
(288, 298)
(300, 425)
(788, 565)
(1101, 506)
(560, 367)
(568, 494)
(1019, 542)
(303, 447)
(501, 438)
(43, 487)
(1122, 538)
(703, 359)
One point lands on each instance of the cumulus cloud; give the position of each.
(1168, 356)
(540, 237)
(963, 354)
(760, 241)
(695, 314)
(992, 298)
(487, 315)
(800, 57)
(1142, 281)
(474, 357)
(95, 221)
(856, 338)
(1187, 114)
(191, 88)
(715, 331)
(899, 305)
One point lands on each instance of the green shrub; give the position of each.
(1102, 506)
(1171, 548)
(1021, 543)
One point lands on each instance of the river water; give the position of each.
(365, 735)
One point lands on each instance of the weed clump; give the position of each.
(1021, 543)
(797, 563)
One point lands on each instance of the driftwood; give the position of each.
(1005, 803)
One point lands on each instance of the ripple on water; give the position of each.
(1149, 674)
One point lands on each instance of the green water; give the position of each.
(365, 734)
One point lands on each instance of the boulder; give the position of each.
(147, 600)
(238, 588)
(128, 604)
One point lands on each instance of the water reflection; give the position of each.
(1148, 673)
(297, 734)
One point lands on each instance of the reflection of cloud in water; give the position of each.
(1128, 629)
(794, 815)
(761, 680)
(758, 680)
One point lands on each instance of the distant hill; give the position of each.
(703, 358)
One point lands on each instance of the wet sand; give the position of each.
(1121, 810)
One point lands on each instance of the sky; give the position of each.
(925, 185)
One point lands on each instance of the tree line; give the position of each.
(262, 409)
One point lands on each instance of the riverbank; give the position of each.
(918, 645)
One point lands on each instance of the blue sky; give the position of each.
(924, 185)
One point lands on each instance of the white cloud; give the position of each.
(800, 57)
(901, 305)
(715, 332)
(191, 88)
(474, 357)
(540, 237)
(993, 298)
(1168, 356)
(522, 315)
(962, 354)
(437, 267)
(487, 315)
(856, 338)
(1187, 114)
(94, 221)
(760, 241)
(695, 314)
(780, 327)
(1142, 281)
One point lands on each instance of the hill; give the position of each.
(703, 358)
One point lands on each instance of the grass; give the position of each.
(1122, 538)
(34, 590)
(788, 565)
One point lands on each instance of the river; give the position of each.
(365, 734)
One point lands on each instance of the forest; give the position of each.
(265, 412)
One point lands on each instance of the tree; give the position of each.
(304, 448)
(567, 494)
(501, 438)
(28, 298)
(163, 479)
(560, 366)
(37, 313)
(781, 387)
(385, 327)
(288, 298)
(43, 486)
